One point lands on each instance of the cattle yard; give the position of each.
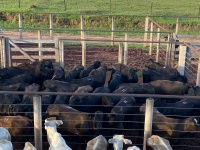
(138, 124)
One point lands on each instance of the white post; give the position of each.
(120, 53)
(40, 45)
(158, 45)
(126, 49)
(82, 28)
(51, 26)
(20, 25)
(61, 51)
(181, 59)
(83, 48)
(146, 30)
(198, 74)
(37, 122)
(167, 51)
(112, 33)
(177, 26)
(151, 40)
(148, 120)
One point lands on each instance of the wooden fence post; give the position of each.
(57, 50)
(151, 40)
(172, 51)
(167, 51)
(82, 28)
(148, 120)
(112, 31)
(61, 53)
(177, 25)
(40, 44)
(20, 25)
(181, 59)
(83, 48)
(120, 53)
(198, 74)
(146, 30)
(126, 49)
(37, 122)
(3, 47)
(51, 26)
(158, 45)
(8, 53)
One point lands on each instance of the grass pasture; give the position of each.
(114, 7)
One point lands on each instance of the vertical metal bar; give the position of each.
(37, 122)
(148, 120)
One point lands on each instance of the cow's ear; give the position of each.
(127, 141)
(111, 141)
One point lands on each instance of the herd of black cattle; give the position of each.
(89, 115)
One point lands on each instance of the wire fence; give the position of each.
(133, 123)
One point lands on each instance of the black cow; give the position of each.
(75, 72)
(59, 73)
(171, 127)
(129, 74)
(77, 98)
(89, 103)
(46, 100)
(158, 71)
(14, 87)
(74, 121)
(61, 99)
(167, 87)
(41, 70)
(99, 76)
(87, 70)
(140, 88)
(56, 85)
(152, 75)
(26, 106)
(110, 101)
(123, 107)
(180, 109)
(196, 90)
(7, 73)
(6, 101)
(115, 80)
(22, 78)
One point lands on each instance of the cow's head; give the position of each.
(192, 124)
(116, 120)
(98, 119)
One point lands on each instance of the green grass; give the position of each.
(114, 7)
